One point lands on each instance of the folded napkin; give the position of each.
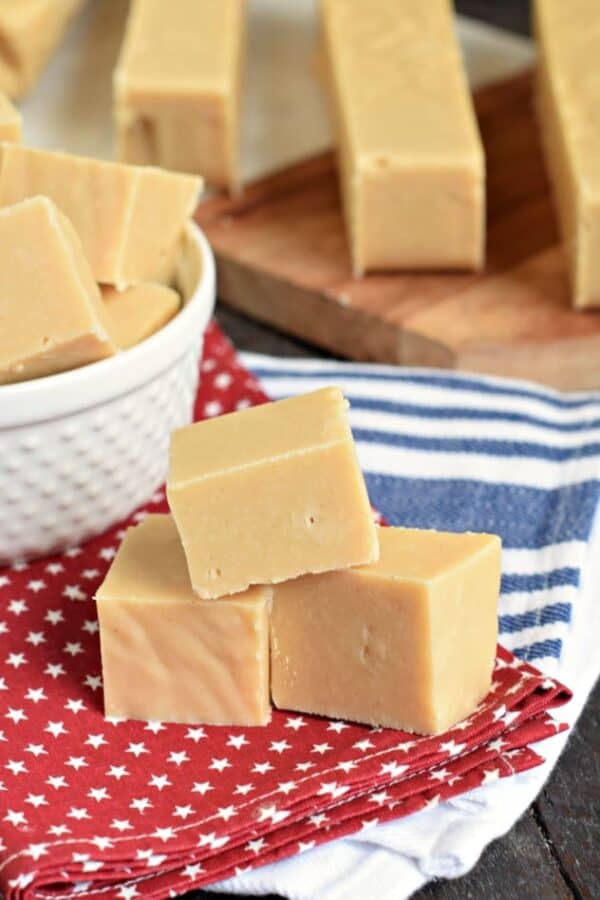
(145, 809)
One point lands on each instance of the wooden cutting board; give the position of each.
(282, 259)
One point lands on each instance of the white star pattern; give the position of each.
(193, 870)
(16, 660)
(36, 694)
(54, 670)
(220, 764)
(36, 800)
(261, 767)
(98, 794)
(256, 846)
(121, 824)
(237, 741)
(15, 817)
(393, 769)
(56, 728)
(17, 607)
(243, 789)
(137, 749)
(154, 727)
(196, 734)
(141, 804)
(159, 781)
(35, 638)
(54, 616)
(74, 592)
(17, 767)
(178, 758)
(201, 787)
(15, 715)
(182, 812)
(285, 787)
(295, 722)
(77, 812)
(36, 749)
(226, 812)
(164, 834)
(57, 781)
(36, 585)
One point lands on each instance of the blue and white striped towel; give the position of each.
(460, 452)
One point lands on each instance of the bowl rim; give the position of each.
(53, 396)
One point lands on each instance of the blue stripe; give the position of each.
(539, 649)
(524, 517)
(449, 382)
(521, 449)
(453, 413)
(540, 581)
(546, 615)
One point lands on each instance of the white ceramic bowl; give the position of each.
(79, 451)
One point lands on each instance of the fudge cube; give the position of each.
(130, 219)
(51, 313)
(30, 30)
(138, 311)
(411, 163)
(177, 87)
(408, 642)
(270, 493)
(169, 656)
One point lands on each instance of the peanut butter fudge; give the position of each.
(29, 32)
(130, 219)
(270, 493)
(10, 120)
(170, 656)
(411, 163)
(51, 313)
(177, 87)
(568, 99)
(137, 312)
(408, 642)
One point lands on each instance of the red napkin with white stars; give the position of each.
(132, 809)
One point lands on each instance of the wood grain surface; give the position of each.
(283, 260)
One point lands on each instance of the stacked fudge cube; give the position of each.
(270, 579)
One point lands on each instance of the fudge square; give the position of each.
(130, 219)
(169, 656)
(51, 313)
(270, 493)
(177, 87)
(408, 642)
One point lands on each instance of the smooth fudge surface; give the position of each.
(139, 311)
(130, 219)
(270, 493)
(408, 642)
(51, 313)
(410, 159)
(568, 99)
(10, 120)
(177, 87)
(29, 32)
(168, 655)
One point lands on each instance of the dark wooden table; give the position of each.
(553, 852)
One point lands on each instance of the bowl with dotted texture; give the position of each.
(81, 450)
